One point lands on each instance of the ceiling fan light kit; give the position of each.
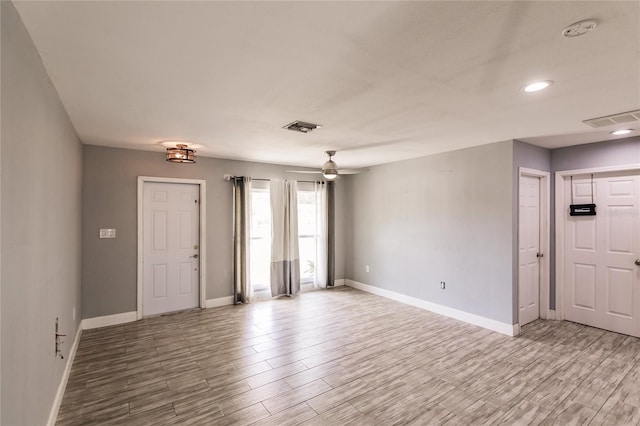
(330, 168)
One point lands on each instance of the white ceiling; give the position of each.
(387, 80)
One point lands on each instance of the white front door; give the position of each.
(528, 250)
(171, 246)
(602, 281)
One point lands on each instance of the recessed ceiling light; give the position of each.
(537, 85)
(621, 132)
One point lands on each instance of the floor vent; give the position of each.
(609, 120)
(301, 126)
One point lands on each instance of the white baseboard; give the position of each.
(339, 283)
(490, 324)
(57, 401)
(220, 301)
(89, 323)
(551, 314)
(516, 330)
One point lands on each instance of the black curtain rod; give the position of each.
(230, 177)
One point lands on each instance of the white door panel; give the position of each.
(529, 247)
(602, 282)
(170, 242)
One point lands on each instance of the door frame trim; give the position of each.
(202, 184)
(560, 179)
(545, 234)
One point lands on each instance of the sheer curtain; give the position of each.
(285, 259)
(325, 242)
(241, 238)
(320, 278)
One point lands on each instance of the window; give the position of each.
(307, 233)
(260, 249)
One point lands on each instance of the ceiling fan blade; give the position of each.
(351, 171)
(331, 168)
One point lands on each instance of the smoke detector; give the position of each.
(302, 126)
(579, 28)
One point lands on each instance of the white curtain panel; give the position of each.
(320, 278)
(285, 258)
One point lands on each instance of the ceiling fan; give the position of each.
(330, 169)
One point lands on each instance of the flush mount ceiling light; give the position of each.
(536, 86)
(181, 154)
(621, 132)
(579, 28)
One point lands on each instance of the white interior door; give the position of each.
(602, 282)
(529, 249)
(170, 247)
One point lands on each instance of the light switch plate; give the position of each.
(107, 233)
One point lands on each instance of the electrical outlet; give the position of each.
(366, 268)
(443, 285)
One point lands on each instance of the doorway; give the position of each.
(599, 273)
(170, 245)
(533, 244)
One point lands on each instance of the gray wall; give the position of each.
(41, 187)
(110, 201)
(531, 157)
(445, 217)
(602, 154)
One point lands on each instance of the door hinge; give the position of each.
(539, 255)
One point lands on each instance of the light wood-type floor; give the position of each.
(343, 356)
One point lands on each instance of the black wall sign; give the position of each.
(582, 210)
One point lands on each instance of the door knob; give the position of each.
(638, 262)
(195, 256)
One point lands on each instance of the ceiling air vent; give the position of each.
(301, 126)
(610, 120)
